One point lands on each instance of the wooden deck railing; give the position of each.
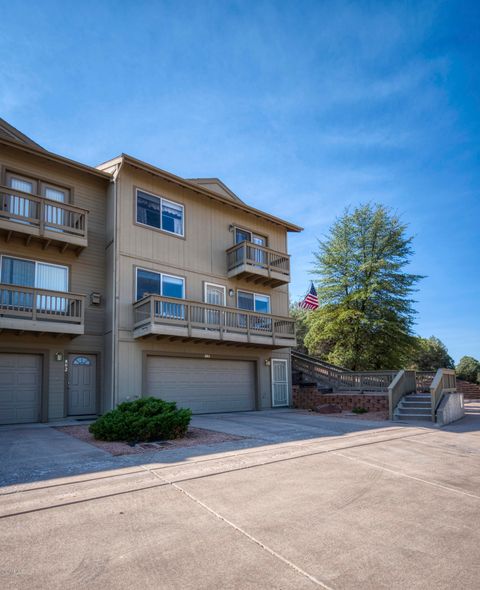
(28, 303)
(257, 257)
(445, 381)
(167, 311)
(341, 378)
(403, 384)
(42, 213)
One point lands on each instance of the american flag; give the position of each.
(311, 299)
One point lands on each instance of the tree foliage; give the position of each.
(430, 354)
(301, 325)
(468, 369)
(366, 312)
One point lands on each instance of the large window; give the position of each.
(160, 213)
(253, 301)
(155, 283)
(33, 274)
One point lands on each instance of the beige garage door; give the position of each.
(203, 385)
(20, 388)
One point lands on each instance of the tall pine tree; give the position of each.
(366, 311)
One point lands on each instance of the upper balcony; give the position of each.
(28, 309)
(51, 222)
(258, 264)
(191, 320)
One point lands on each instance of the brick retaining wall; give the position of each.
(308, 398)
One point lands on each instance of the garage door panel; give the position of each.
(20, 388)
(203, 385)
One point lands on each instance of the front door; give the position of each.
(279, 382)
(82, 389)
(215, 295)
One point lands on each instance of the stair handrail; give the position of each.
(445, 381)
(320, 362)
(354, 380)
(404, 382)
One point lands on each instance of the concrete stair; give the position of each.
(414, 406)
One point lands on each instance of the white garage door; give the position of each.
(20, 388)
(203, 385)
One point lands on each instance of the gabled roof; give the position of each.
(198, 188)
(217, 186)
(10, 132)
(42, 153)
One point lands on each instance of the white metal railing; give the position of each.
(156, 309)
(42, 213)
(258, 257)
(41, 304)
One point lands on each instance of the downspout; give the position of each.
(115, 288)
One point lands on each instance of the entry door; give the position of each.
(215, 295)
(54, 214)
(279, 382)
(82, 384)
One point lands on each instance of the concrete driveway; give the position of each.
(306, 502)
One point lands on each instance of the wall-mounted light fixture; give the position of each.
(231, 292)
(59, 356)
(267, 362)
(231, 227)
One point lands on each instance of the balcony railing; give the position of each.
(43, 218)
(251, 261)
(167, 316)
(41, 310)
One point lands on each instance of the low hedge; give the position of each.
(142, 420)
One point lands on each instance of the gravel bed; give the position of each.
(194, 437)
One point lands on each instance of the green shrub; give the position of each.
(142, 420)
(468, 369)
(359, 410)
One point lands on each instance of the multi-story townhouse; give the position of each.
(52, 283)
(182, 290)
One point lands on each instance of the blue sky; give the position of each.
(302, 108)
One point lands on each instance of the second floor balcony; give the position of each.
(192, 320)
(28, 309)
(258, 264)
(51, 222)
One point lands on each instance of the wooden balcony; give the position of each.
(35, 217)
(258, 264)
(25, 309)
(195, 321)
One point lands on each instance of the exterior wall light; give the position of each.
(59, 356)
(267, 362)
(231, 292)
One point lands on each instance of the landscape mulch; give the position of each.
(194, 437)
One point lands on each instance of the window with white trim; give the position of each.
(253, 301)
(149, 282)
(160, 213)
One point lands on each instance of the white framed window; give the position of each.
(30, 273)
(149, 282)
(160, 213)
(40, 275)
(253, 301)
